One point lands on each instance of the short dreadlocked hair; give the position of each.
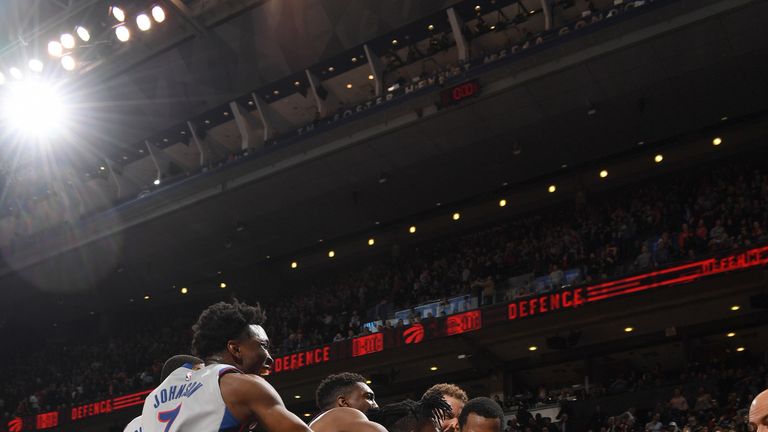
(408, 415)
(222, 322)
(484, 407)
(334, 386)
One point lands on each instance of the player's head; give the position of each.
(758, 412)
(411, 416)
(456, 398)
(481, 415)
(178, 361)
(231, 333)
(345, 389)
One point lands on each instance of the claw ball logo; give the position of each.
(414, 334)
(15, 425)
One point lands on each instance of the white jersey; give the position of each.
(134, 425)
(189, 401)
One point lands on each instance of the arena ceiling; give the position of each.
(653, 90)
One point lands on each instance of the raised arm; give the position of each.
(249, 396)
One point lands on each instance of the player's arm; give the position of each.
(247, 394)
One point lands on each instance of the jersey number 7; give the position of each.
(168, 417)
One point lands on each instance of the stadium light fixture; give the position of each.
(223, 285)
(731, 334)
(158, 13)
(143, 22)
(552, 189)
(433, 368)
(117, 13)
(371, 241)
(146, 297)
(331, 254)
(33, 108)
(35, 65)
(368, 381)
(122, 33)
(55, 49)
(456, 216)
(294, 265)
(156, 182)
(533, 348)
(735, 308)
(717, 141)
(83, 33)
(16, 73)
(297, 396)
(603, 173)
(658, 158)
(68, 63)
(740, 349)
(184, 290)
(502, 203)
(307, 415)
(412, 229)
(67, 40)
(629, 329)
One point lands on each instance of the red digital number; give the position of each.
(367, 344)
(464, 322)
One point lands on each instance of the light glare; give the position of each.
(122, 33)
(16, 73)
(33, 108)
(118, 13)
(36, 65)
(67, 41)
(68, 63)
(55, 49)
(158, 14)
(143, 22)
(83, 33)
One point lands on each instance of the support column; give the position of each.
(247, 126)
(457, 25)
(123, 185)
(274, 122)
(326, 101)
(547, 9)
(210, 150)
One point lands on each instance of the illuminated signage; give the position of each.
(47, 420)
(301, 359)
(463, 322)
(435, 328)
(414, 334)
(460, 92)
(365, 345)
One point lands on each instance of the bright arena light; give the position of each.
(35, 65)
(122, 33)
(16, 73)
(2, 78)
(67, 41)
(55, 49)
(33, 108)
(158, 14)
(83, 33)
(68, 63)
(118, 13)
(143, 22)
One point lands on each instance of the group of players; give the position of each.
(223, 390)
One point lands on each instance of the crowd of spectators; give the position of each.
(702, 211)
(708, 396)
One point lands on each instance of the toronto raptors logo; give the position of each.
(414, 334)
(15, 425)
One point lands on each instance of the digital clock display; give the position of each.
(367, 344)
(463, 322)
(460, 92)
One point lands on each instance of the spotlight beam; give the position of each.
(181, 10)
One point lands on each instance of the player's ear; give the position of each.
(233, 347)
(342, 401)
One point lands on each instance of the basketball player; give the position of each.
(343, 399)
(456, 398)
(758, 412)
(411, 416)
(173, 363)
(227, 394)
(481, 415)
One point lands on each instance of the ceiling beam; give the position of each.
(182, 11)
